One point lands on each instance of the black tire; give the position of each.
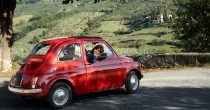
(130, 87)
(62, 89)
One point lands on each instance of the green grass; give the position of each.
(40, 9)
(30, 35)
(72, 25)
(57, 20)
(146, 35)
(141, 38)
(107, 29)
(153, 30)
(110, 26)
(22, 18)
(22, 47)
(147, 49)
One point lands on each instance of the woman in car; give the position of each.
(96, 54)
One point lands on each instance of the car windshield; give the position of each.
(40, 49)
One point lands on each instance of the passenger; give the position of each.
(72, 53)
(69, 54)
(96, 54)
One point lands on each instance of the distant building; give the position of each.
(170, 15)
(160, 18)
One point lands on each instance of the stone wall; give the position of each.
(172, 60)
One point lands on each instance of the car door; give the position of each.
(105, 74)
(71, 64)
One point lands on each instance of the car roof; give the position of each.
(71, 38)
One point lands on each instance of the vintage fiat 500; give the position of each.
(58, 68)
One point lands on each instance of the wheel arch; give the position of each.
(62, 80)
(65, 81)
(136, 71)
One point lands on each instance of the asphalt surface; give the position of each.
(166, 90)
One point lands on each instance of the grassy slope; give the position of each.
(144, 48)
(21, 19)
(74, 23)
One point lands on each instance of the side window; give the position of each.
(40, 49)
(90, 46)
(107, 50)
(97, 51)
(70, 52)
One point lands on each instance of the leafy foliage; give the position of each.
(192, 25)
(111, 23)
(92, 24)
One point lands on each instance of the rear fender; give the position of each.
(52, 81)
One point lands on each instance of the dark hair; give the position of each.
(100, 47)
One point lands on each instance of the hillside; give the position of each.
(130, 28)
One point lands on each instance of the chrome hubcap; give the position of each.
(134, 82)
(60, 96)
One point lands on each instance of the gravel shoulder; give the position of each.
(191, 77)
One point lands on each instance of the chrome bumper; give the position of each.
(27, 91)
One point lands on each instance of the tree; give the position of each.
(67, 1)
(165, 16)
(191, 25)
(95, 1)
(7, 8)
(72, 1)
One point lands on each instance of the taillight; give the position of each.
(34, 80)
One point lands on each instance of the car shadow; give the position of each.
(147, 98)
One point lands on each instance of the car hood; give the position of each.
(125, 59)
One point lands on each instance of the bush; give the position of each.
(161, 51)
(122, 31)
(19, 35)
(21, 22)
(34, 18)
(92, 24)
(159, 34)
(140, 21)
(44, 33)
(44, 22)
(129, 43)
(157, 42)
(17, 59)
(35, 40)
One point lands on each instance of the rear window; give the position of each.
(40, 49)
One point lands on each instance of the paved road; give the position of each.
(181, 89)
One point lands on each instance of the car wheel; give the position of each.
(60, 95)
(132, 82)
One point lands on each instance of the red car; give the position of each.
(58, 68)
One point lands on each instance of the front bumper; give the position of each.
(24, 91)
